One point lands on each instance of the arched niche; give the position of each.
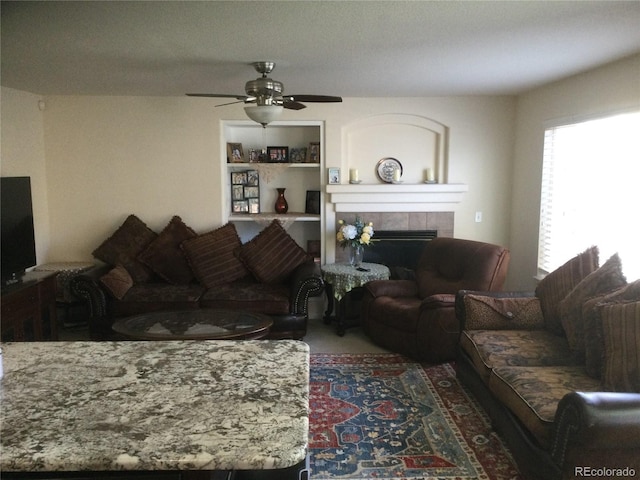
(417, 142)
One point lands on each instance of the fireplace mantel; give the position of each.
(420, 197)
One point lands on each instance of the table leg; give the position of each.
(327, 314)
(341, 313)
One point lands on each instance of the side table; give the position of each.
(340, 279)
(65, 272)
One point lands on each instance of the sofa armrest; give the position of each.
(507, 320)
(392, 288)
(305, 281)
(87, 287)
(588, 421)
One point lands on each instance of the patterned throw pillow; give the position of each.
(124, 246)
(491, 313)
(621, 327)
(557, 285)
(592, 317)
(211, 256)
(164, 255)
(272, 255)
(605, 279)
(117, 281)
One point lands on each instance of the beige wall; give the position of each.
(22, 153)
(107, 157)
(613, 88)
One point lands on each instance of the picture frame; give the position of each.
(313, 153)
(254, 205)
(239, 178)
(253, 178)
(333, 176)
(237, 192)
(254, 155)
(312, 205)
(241, 206)
(251, 192)
(245, 192)
(278, 154)
(235, 153)
(298, 155)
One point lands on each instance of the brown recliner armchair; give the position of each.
(417, 317)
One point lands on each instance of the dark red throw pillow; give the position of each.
(164, 255)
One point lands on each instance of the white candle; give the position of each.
(353, 174)
(396, 175)
(430, 176)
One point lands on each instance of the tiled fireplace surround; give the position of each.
(440, 221)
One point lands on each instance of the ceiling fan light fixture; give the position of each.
(264, 114)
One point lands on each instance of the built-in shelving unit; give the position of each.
(296, 178)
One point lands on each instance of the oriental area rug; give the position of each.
(383, 416)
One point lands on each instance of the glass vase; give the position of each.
(356, 254)
(281, 203)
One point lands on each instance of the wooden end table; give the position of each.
(340, 279)
(202, 324)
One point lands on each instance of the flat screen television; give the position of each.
(18, 240)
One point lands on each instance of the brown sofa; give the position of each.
(557, 370)
(178, 269)
(417, 317)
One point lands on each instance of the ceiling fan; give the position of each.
(267, 94)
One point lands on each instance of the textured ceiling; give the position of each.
(353, 49)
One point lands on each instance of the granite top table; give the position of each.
(154, 406)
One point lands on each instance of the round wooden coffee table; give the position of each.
(203, 324)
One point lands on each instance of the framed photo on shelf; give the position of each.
(298, 155)
(313, 153)
(254, 205)
(237, 192)
(251, 192)
(334, 176)
(245, 192)
(241, 206)
(239, 178)
(312, 204)
(278, 154)
(234, 153)
(254, 155)
(253, 178)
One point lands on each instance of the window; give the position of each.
(591, 192)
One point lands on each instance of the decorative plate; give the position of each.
(386, 168)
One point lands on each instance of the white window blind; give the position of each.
(590, 192)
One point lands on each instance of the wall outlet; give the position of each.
(478, 217)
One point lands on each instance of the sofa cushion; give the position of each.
(592, 317)
(489, 349)
(117, 281)
(124, 246)
(164, 255)
(557, 285)
(155, 297)
(621, 328)
(272, 255)
(532, 393)
(605, 279)
(250, 296)
(211, 256)
(492, 313)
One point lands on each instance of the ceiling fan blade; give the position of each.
(217, 95)
(233, 103)
(291, 105)
(313, 98)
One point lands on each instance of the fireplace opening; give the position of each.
(399, 250)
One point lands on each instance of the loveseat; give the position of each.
(557, 370)
(178, 269)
